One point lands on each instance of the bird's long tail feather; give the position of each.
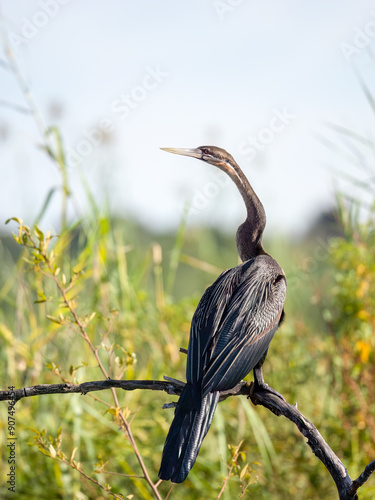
(185, 436)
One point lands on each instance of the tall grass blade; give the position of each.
(261, 436)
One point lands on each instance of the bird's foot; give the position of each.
(256, 395)
(258, 386)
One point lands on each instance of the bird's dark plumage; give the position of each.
(230, 334)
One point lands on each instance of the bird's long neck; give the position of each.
(249, 234)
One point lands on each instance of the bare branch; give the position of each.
(357, 483)
(347, 488)
(85, 387)
(170, 386)
(319, 447)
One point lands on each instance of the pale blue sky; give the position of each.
(184, 74)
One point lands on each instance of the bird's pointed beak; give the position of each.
(195, 153)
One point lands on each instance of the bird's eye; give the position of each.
(279, 278)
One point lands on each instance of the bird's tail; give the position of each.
(185, 436)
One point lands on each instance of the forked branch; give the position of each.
(347, 489)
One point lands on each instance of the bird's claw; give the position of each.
(257, 386)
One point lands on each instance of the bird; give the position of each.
(231, 328)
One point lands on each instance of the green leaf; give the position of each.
(19, 221)
(45, 452)
(53, 319)
(39, 233)
(42, 298)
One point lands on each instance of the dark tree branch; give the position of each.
(315, 440)
(100, 385)
(347, 488)
(369, 469)
(170, 386)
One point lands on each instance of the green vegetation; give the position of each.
(107, 298)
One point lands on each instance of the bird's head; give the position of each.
(249, 234)
(209, 154)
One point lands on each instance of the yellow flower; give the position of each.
(364, 350)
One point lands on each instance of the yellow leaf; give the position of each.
(73, 454)
(244, 471)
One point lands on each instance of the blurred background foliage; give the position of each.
(143, 289)
(149, 286)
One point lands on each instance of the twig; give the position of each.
(369, 469)
(71, 463)
(226, 479)
(79, 325)
(123, 421)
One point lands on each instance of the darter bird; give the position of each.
(231, 329)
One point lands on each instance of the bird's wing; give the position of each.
(206, 321)
(233, 326)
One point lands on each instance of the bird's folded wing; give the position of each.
(233, 327)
